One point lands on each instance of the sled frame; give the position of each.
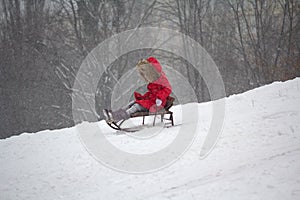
(162, 113)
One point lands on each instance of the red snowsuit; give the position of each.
(158, 89)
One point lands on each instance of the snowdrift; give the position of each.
(256, 157)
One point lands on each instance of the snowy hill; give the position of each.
(256, 157)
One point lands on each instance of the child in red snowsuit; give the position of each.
(154, 99)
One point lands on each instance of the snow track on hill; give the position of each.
(256, 157)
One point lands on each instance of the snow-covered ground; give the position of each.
(256, 157)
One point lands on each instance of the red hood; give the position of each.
(154, 62)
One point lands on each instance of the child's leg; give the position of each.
(124, 114)
(128, 105)
(135, 108)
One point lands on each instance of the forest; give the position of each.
(44, 42)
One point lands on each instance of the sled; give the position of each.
(162, 113)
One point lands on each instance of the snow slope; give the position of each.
(256, 157)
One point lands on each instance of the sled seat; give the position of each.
(162, 112)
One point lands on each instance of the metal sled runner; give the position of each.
(162, 113)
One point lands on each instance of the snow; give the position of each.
(256, 157)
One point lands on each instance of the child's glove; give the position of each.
(158, 102)
(156, 107)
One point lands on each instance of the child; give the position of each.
(153, 100)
